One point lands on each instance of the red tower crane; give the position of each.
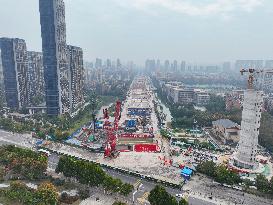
(110, 147)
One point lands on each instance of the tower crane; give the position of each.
(251, 75)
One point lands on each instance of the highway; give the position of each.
(142, 186)
(20, 140)
(197, 185)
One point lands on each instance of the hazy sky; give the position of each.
(191, 30)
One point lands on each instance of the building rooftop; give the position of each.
(226, 123)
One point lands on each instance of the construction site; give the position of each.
(132, 126)
(126, 135)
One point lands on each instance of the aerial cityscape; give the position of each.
(157, 102)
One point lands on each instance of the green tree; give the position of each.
(208, 168)
(46, 194)
(216, 104)
(20, 192)
(271, 185)
(2, 174)
(262, 183)
(247, 183)
(159, 196)
(266, 131)
(126, 189)
(26, 163)
(60, 135)
(224, 175)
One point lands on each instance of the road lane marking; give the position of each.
(137, 183)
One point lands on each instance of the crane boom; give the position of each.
(251, 73)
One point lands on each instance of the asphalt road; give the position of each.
(21, 140)
(197, 185)
(142, 186)
(205, 187)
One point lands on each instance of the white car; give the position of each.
(179, 195)
(47, 153)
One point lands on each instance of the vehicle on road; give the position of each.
(179, 195)
(43, 151)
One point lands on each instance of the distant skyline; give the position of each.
(197, 31)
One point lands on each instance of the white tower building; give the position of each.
(245, 157)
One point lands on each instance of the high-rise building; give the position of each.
(226, 67)
(108, 63)
(150, 65)
(118, 63)
(56, 69)
(36, 83)
(158, 64)
(175, 65)
(245, 157)
(246, 64)
(183, 66)
(98, 63)
(15, 71)
(75, 56)
(167, 65)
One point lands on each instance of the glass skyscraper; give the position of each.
(56, 69)
(15, 71)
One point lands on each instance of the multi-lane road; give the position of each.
(200, 186)
(20, 140)
(142, 186)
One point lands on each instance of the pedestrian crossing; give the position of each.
(144, 199)
(137, 183)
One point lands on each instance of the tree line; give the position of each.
(46, 194)
(24, 163)
(91, 174)
(159, 196)
(219, 173)
(223, 175)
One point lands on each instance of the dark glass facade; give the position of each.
(56, 69)
(35, 78)
(15, 71)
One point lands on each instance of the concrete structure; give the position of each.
(56, 69)
(201, 97)
(15, 71)
(36, 83)
(75, 56)
(227, 130)
(183, 95)
(98, 63)
(183, 66)
(150, 65)
(254, 64)
(245, 157)
(180, 94)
